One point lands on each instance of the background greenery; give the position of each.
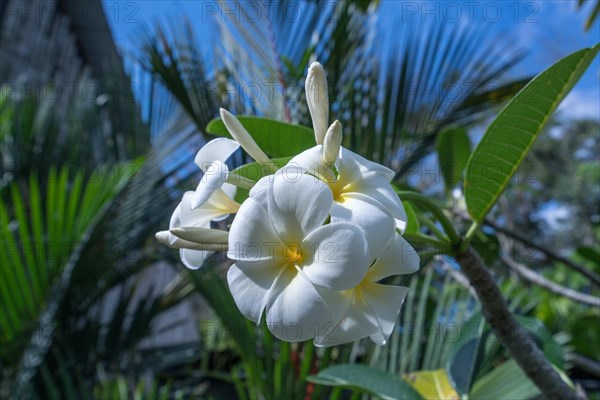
(78, 246)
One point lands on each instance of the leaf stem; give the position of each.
(469, 235)
(421, 239)
(437, 212)
(431, 225)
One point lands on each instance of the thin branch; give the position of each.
(547, 284)
(587, 364)
(594, 277)
(515, 338)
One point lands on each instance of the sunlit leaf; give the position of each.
(432, 385)
(510, 137)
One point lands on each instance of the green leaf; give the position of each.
(590, 254)
(275, 138)
(254, 171)
(511, 135)
(476, 346)
(487, 246)
(412, 225)
(432, 384)
(544, 339)
(505, 382)
(453, 147)
(465, 353)
(362, 377)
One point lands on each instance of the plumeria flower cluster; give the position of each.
(313, 242)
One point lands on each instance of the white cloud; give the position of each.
(581, 103)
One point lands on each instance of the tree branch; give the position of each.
(516, 339)
(594, 277)
(547, 284)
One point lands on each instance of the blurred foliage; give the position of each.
(78, 220)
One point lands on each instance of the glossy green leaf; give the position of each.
(453, 148)
(511, 135)
(275, 138)
(364, 378)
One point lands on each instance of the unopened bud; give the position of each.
(317, 97)
(332, 143)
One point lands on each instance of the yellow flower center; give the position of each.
(338, 191)
(293, 253)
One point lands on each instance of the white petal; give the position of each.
(311, 160)
(200, 216)
(336, 256)
(317, 97)
(193, 259)
(197, 218)
(386, 302)
(351, 161)
(219, 149)
(338, 303)
(250, 286)
(213, 179)
(260, 190)
(229, 189)
(296, 312)
(360, 209)
(298, 206)
(252, 236)
(397, 259)
(359, 322)
(221, 203)
(377, 187)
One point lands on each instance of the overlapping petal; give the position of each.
(296, 310)
(385, 301)
(298, 206)
(252, 236)
(398, 259)
(336, 256)
(219, 149)
(368, 214)
(250, 285)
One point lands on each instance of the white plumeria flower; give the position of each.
(288, 264)
(361, 188)
(375, 307)
(361, 191)
(211, 201)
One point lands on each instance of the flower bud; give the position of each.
(317, 98)
(241, 135)
(201, 235)
(332, 143)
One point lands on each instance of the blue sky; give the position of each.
(549, 29)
